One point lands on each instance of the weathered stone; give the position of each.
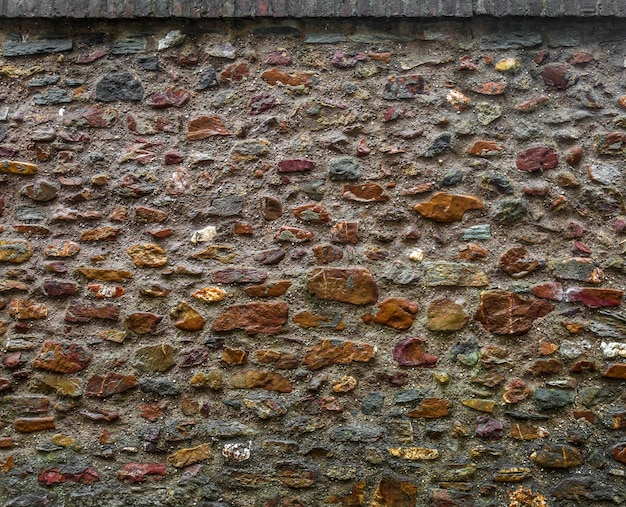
(502, 312)
(62, 357)
(186, 318)
(295, 166)
(537, 159)
(581, 269)
(15, 251)
(440, 144)
(516, 390)
(552, 398)
(446, 315)
(431, 408)
(509, 210)
(105, 233)
(312, 213)
(480, 405)
(404, 87)
(411, 352)
(527, 432)
(308, 320)
(203, 127)
(516, 262)
(233, 357)
(60, 249)
(559, 76)
(190, 456)
(484, 148)
(595, 297)
(444, 273)
(25, 309)
(170, 97)
(254, 318)
(150, 215)
(81, 314)
(325, 254)
(210, 294)
(147, 255)
(446, 208)
(548, 290)
(617, 371)
(491, 88)
(61, 384)
(414, 453)
(557, 456)
(345, 233)
(121, 86)
(398, 313)
(367, 192)
(40, 191)
(52, 97)
(21, 168)
(32, 424)
(36, 47)
(137, 472)
(515, 474)
(239, 275)
(270, 257)
(269, 290)
(329, 352)
(344, 169)
(293, 235)
(154, 358)
(262, 379)
(348, 285)
(105, 275)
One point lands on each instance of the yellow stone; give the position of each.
(112, 335)
(515, 474)
(211, 379)
(16, 72)
(414, 453)
(13, 167)
(480, 405)
(210, 294)
(508, 65)
(62, 440)
(64, 386)
(189, 456)
(442, 377)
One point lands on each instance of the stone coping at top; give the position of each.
(113, 9)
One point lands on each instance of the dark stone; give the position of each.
(160, 387)
(43, 81)
(373, 403)
(37, 47)
(407, 87)
(586, 489)
(276, 31)
(208, 79)
(148, 62)
(452, 178)
(512, 40)
(509, 210)
(52, 97)
(551, 399)
(128, 46)
(122, 86)
(344, 169)
(226, 206)
(439, 145)
(34, 499)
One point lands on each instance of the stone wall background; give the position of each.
(312, 263)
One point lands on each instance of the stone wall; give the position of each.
(312, 263)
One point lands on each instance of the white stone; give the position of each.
(203, 235)
(172, 39)
(416, 255)
(613, 349)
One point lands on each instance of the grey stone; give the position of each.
(52, 97)
(524, 131)
(344, 169)
(587, 489)
(373, 403)
(148, 62)
(509, 210)
(324, 38)
(28, 213)
(313, 189)
(34, 499)
(550, 399)
(439, 145)
(401, 274)
(43, 81)
(487, 112)
(160, 387)
(476, 232)
(574, 269)
(128, 46)
(226, 206)
(208, 79)
(73, 83)
(596, 395)
(605, 174)
(498, 183)
(171, 39)
(452, 178)
(225, 50)
(357, 432)
(409, 396)
(37, 47)
(276, 31)
(40, 191)
(511, 40)
(122, 86)
(225, 429)
(374, 38)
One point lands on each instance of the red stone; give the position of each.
(171, 97)
(235, 72)
(104, 233)
(312, 213)
(559, 76)
(295, 166)
(411, 352)
(548, 290)
(203, 127)
(57, 288)
(32, 424)
(574, 156)
(347, 285)
(254, 318)
(55, 476)
(594, 297)
(325, 254)
(270, 290)
(290, 234)
(532, 104)
(273, 76)
(502, 312)
(516, 263)
(62, 357)
(545, 367)
(137, 472)
(150, 215)
(82, 314)
(537, 159)
(345, 232)
(398, 313)
(491, 88)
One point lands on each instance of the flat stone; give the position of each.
(203, 127)
(288, 234)
(502, 312)
(186, 318)
(484, 148)
(262, 379)
(345, 233)
(326, 254)
(104, 275)
(154, 358)
(593, 297)
(104, 233)
(440, 144)
(445, 314)
(344, 169)
(150, 215)
(398, 313)
(445, 273)
(611, 143)
(12, 285)
(25, 309)
(60, 249)
(312, 213)
(170, 97)
(581, 269)
(395, 492)
(617, 371)
(112, 383)
(367, 192)
(62, 357)
(15, 251)
(190, 456)
(559, 76)
(254, 318)
(347, 285)
(37, 47)
(210, 294)
(52, 97)
(32, 424)
(443, 207)
(413, 453)
(431, 408)
(527, 432)
(308, 320)
(269, 290)
(480, 405)
(147, 255)
(81, 314)
(548, 290)
(225, 206)
(404, 87)
(552, 398)
(411, 352)
(40, 191)
(239, 275)
(275, 75)
(61, 384)
(208, 79)
(128, 46)
(119, 86)
(487, 112)
(491, 88)
(296, 165)
(221, 253)
(270, 257)
(20, 168)
(250, 150)
(516, 390)
(138, 472)
(329, 352)
(517, 263)
(159, 386)
(557, 456)
(537, 159)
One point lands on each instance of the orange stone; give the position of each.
(431, 408)
(616, 371)
(312, 213)
(347, 285)
(110, 384)
(392, 492)
(105, 275)
(473, 252)
(366, 192)
(329, 352)
(491, 88)
(446, 315)
(31, 424)
(203, 127)
(62, 358)
(262, 379)
(25, 309)
(143, 322)
(61, 249)
(484, 148)
(307, 319)
(275, 75)
(186, 318)
(233, 357)
(527, 432)
(147, 255)
(398, 313)
(104, 233)
(444, 207)
(502, 312)
(269, 290)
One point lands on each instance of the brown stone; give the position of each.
(366, 192)
(559, 76)
(190, 456)
(329, 352)
(275, 75)
(293, 235)
(150, 215)
(104, 233)
(445, 314)
(31, 424)
(345, 232)
(61, 384)
(473, 252)
(594, 297)
(307, 320)
(517, 263)
(262, 379)
(548, 290)
(545, 367)
(271, 208)
(444, 207)
(618, 452)
(186, 318)
(101, 291)
(516, 390)
(154, 358)
(326, 253)
(312, 213)
(491, 88)
(25, 309)
(393, 492)
(280, 360)
(12, 285)
(14, 251)
(77, 313)
(574, 156)
(62, 357)
(61, 249)
(398, 313)
(431, 408)
(254, 318)
(527, 432)
(615, 371)
(33, 230)
(110, 384)
(239, 275)
(269, 290)
(537, 159)
(147, 255)
(143, 322)
(502, 312)
(557, 456)
(105, 275)
(354, 498)
(484, 148)
(203, 127)
(411, 352)
(347, 285)
(479, 405)
(233, 357)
